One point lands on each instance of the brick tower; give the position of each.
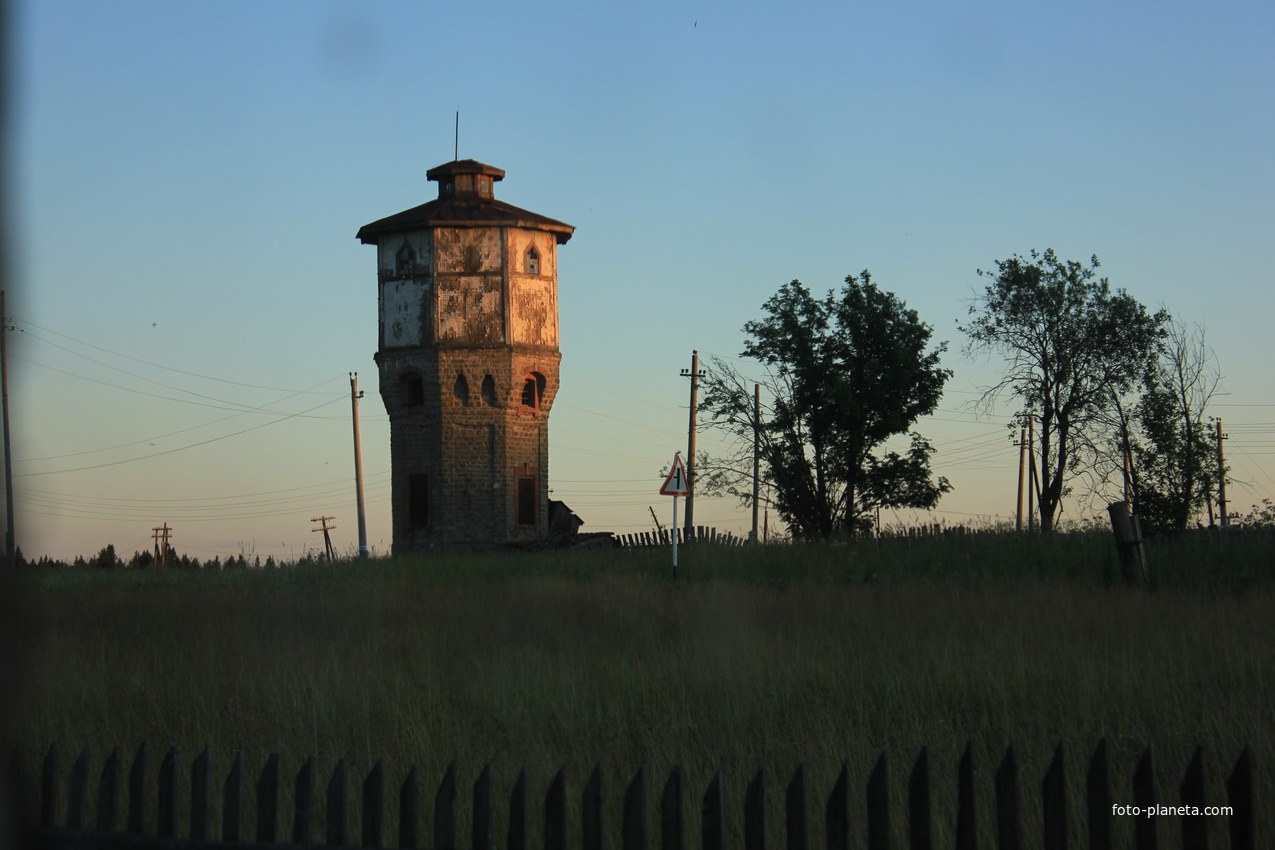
(468, 358)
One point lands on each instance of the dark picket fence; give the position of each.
(65, 825)
(664, 537)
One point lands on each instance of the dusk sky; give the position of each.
(187, 180)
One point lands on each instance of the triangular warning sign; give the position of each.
(676, 484)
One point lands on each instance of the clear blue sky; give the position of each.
(188, 179)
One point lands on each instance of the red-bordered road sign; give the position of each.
(676, 483)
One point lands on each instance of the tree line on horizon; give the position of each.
(1117, 396)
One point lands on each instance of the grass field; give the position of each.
(755, 658)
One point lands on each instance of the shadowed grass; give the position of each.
(756, 659)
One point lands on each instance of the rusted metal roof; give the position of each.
(464, 212)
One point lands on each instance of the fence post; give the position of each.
(303, 813)
(337, 817)
(712, 829)
(672, 818)
(1239, 796)
(795, 814)
(108, 793)
(517, 838)
(1146, 830)
(591, 810)
(137, 793)
(78, 791)
(879, 804)
(966, 810)
(919, 832)
(837, 812)
(49, 788)
(445, 811)
(556, 813)
(268, 801)
(755, 813)
(1195, 828)
(1053, 792)
(633, 824)
(481, 830)
(232, 801)
(201, 796)
(374, 806)
(409, 809)
(1098, 782)
(1009, 834)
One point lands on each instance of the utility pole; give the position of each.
(756, 455)
(10, 547)
(1221, 478)
(355, 395)
(1022, 473)
(327, 541)
(695, 374)
(1031, 483)
(162, 535)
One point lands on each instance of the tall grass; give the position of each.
(754, 658)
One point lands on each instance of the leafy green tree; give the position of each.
(845, 373)
(1070, 345)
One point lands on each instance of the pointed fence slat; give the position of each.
(1009, 834)
(1195, 828)
(920, 836)
(837, 812)
(591, 810)
(166, 811)
(268, 801)
(137, 792)
(374, 807)
(517, 836)
(755, 813)
(1146, 829)
(409, 810)
(303, 803)
(966, 810)
(556, 813)
(337, 809)
(482, 814)
(201, 800)
(108, 791)
(1098, 787)
(712, 814)
(633, 823)
(1053, 792)
(445, 811)
(798, 827)
(49, 788)
(232, 810)
(78, 792)
(879, 804)
(1239, 796)
(672, 814)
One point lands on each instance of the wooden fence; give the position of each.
(664, 537)
(65, 824)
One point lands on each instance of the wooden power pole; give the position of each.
(327, 539)
(695, 374)
(162, 534)
(1022, 473)
(355, 395)
(756, 455)
(1221, 478)
(10, 546)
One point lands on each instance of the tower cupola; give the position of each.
(465, 178)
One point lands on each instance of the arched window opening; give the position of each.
(533, 261)
(461, 390)
(528, 494)
(489, 391)
(413, 389)
(405, 261)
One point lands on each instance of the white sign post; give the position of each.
(676, 485)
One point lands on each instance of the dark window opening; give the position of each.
(489, 391)
(413, 389)
(418, 500)
(461, 389)
(533, 261)
(533, 391)
(528, 496)
(405, 261)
